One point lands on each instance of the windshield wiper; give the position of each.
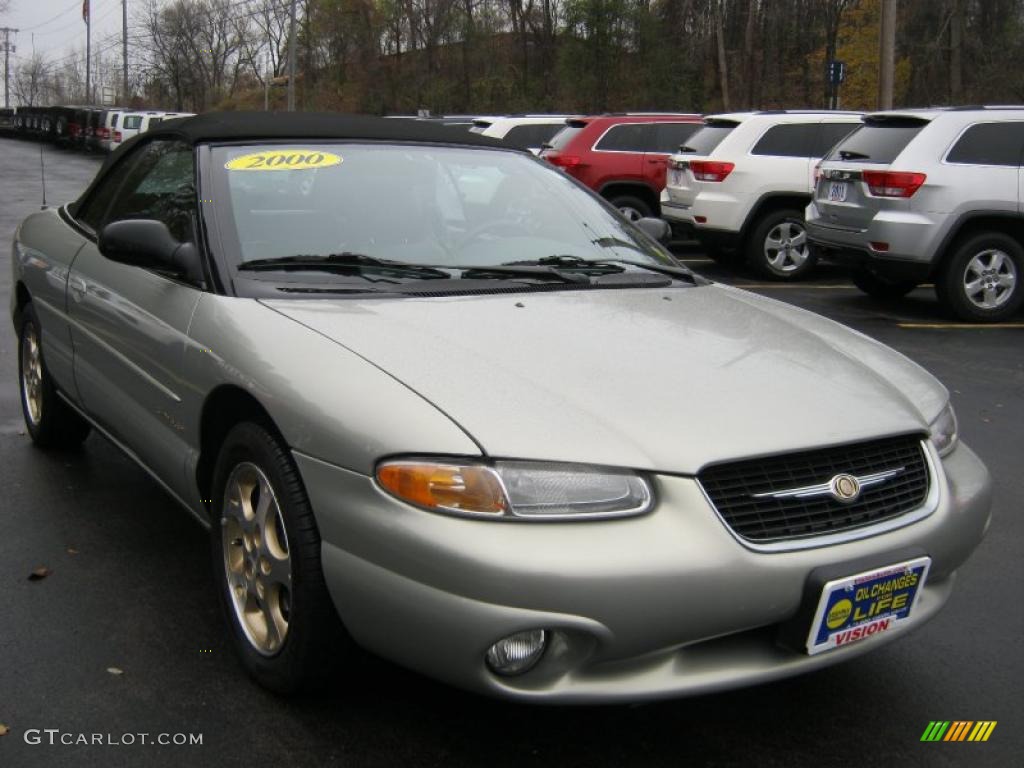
(849, 154)
(536, 270)
(344, 262)
(612, 265)
(683, 148)
(567, 262)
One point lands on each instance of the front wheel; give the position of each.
(880, 287)
(981, 281)
(51, 423)
(266, 558)
(778, 247)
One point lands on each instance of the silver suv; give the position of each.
(935, 194)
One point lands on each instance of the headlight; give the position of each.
(944, 431)
(516, 489)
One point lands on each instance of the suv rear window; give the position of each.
(528, 135)
(671, 136)
(562, 139)
(704, 141)
(878, 141)
(989, 144)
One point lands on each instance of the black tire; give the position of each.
(951, 284)
(315, 641)
(55, 424)
(628, 203)
(880, 287)
(757, 245)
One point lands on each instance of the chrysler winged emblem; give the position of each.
(844, 488)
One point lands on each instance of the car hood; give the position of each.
(660, 379)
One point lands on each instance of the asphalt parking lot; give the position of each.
(123, 635)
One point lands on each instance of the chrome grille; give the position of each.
(734, 489)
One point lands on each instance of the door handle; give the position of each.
(77, 286)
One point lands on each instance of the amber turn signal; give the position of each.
(468, 488)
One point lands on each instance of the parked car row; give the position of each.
(96, 129)
(901, 198)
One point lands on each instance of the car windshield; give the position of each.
(442, 206)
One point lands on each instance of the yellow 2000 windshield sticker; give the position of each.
(283, 160)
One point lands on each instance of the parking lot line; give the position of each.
(972, 326)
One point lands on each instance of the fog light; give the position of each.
(517, 653)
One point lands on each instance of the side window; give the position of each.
(160, 186)
(92, 212)
(787, 141)
(989, 144)
(628, 137)
(830, 134)
(132, 122)
(672, 135)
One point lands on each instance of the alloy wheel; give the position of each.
(257, 560)
(630, 213)
(785, 247)
(990, 279)
(32, 374)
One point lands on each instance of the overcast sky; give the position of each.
(55, 27)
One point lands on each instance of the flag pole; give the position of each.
(86, 15)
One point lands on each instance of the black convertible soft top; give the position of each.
(243, 126)
(258, 126)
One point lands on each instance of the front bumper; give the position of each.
(667, 604)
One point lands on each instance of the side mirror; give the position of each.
(148, 243)
(659, 229)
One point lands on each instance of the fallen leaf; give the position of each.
(39, 573)
(72, 551)
(4, 730)
(115, 671)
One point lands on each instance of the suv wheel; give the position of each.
(881, 287)
(631, 207)
(981, 281)
(778, 247)
(266, 559)
(51, 422)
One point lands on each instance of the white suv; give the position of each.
(929, 195)
(743, 180)
(527, 131)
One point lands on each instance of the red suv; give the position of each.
(622, 157)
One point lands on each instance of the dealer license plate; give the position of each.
(837, 192)
(865, 604)
(675, 177)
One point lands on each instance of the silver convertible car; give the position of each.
(434, 398)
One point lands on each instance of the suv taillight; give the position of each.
(564, 161)
(117, 136)
(893, 183)
(104, 133)
(710, 170)
(817, 174)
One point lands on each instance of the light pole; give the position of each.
(291, 60)
(124, 50)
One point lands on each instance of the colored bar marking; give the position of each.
(988, 731)
(934, 730)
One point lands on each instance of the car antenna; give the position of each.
(42, 175)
